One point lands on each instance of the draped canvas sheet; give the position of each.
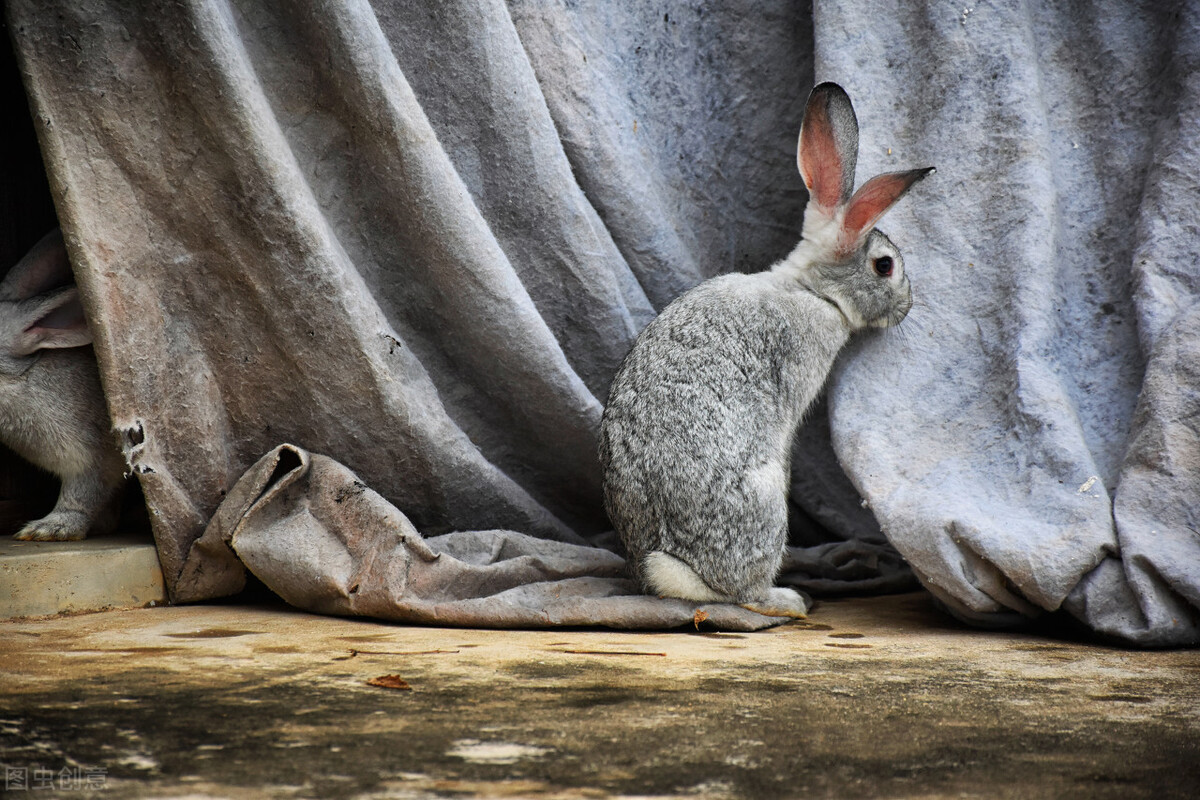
(1041, 449)
(418, 237)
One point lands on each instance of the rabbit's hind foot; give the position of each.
(667, 576)
(780, 602)
(58, 526)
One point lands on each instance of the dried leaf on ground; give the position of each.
(390, 682)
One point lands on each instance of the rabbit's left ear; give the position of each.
(828, 148)
(872, 201)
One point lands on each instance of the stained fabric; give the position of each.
(403, 246)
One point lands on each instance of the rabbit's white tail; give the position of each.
(667, 576)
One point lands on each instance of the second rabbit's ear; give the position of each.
(50, 322)
(828, 148)
(43, 268)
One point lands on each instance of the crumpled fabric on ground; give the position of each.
(325, 542)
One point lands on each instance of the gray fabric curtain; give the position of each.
(360, 274)
(1041, 449)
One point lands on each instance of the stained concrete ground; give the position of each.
(878, 697)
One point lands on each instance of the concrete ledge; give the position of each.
(42, 578)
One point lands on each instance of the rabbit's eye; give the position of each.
(883, 266)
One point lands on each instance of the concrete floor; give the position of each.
(877, 697)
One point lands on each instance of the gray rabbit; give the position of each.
(52, 410)
(696, 438)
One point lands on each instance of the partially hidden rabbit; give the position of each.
(695, 441)
(52, 409)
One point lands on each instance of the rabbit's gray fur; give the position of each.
(52, 410)
(696, 437)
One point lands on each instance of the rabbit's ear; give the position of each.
(43, 268)
(873, 199)
(55, 321)
(828, 149)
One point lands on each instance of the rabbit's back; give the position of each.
(697, 430)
